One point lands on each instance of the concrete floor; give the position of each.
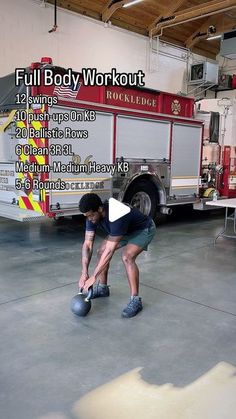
(50, 360)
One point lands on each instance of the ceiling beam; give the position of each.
(196, 12)
(196, 36)
(168, 12)
(204, 53)
(221, 23)
(110, 8)
(76, 7)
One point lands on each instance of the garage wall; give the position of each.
(80, 42)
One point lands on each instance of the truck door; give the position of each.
(97, 147)
(8, 192)
(185, 159)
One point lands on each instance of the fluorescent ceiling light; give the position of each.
(213, 37)
(132, 3)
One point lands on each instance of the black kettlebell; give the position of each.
(81, 305)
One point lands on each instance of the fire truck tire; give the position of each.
(143, 195)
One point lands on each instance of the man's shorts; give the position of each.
(140, 238)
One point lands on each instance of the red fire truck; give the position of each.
(138, 145)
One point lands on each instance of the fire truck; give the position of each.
(140, 146)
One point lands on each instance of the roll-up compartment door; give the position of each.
(139, 138)
(185, 159)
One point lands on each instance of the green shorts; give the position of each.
(140, 238)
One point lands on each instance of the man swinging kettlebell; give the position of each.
(133, 231)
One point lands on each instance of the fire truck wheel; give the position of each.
(143, 195)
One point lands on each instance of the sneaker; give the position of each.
(133, 307)
(100, 291)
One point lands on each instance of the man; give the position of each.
(134, 231)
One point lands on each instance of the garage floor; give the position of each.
(176, 359)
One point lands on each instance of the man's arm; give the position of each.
(111, 245)
(87, 251)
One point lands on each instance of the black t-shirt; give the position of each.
(134, 220)
(127, 224)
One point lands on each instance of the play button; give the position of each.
(117, 209)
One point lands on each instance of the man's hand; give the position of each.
(87, 251)
(82, 280)
(89, 282)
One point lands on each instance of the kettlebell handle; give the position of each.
(90, 293)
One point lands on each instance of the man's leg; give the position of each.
(104, 273)
(129, 255)
(101, 289)
(137, 242)
(131, 251)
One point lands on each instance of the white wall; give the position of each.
(79, 42)
(227, 118)
(227, 66)
(83, 42)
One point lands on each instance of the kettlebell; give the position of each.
(81, 305)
